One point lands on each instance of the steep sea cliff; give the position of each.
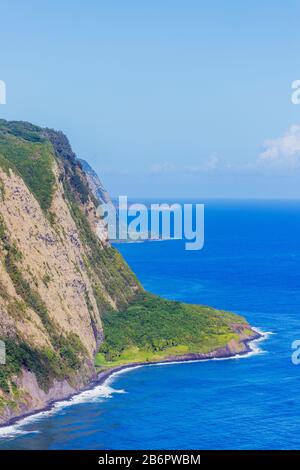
(66, 295)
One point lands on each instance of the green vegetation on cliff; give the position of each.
(46, 364)
(151, 328)
(106, 265)
(31, 153)
(23, 148)
(138, 326)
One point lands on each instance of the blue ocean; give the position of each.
(250, 264)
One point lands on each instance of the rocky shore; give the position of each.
(233, 349)
(63, 391)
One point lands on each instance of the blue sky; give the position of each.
(164, 98)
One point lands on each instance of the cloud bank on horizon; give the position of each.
(282, 153)
(163, 98)
(279, 155)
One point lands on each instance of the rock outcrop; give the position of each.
(57, 272)
(61, 282)
(95, 184)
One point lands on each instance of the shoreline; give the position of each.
(102, 376)
(221, 353)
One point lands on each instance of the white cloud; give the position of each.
(282, 153)
(280, 156)
(211, 164)
(161, 168)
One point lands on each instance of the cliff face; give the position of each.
(61, 283)
(58, 272)
(95, 184)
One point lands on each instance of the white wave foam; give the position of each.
(97, 393)
(12, 431)
(104, 391)
(255, 350)
(115, 374)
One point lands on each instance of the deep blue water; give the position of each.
(250, 265)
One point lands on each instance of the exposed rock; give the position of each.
(50, 235)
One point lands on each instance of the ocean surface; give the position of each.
(251, 265)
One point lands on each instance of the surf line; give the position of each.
(102, 388)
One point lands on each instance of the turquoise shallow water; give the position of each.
(250, 265)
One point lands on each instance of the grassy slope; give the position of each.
(25, 150)
(152, 328)
(149, 328)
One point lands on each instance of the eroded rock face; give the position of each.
(95, 184)
(56, 272)
(34, 398)
(59, 275)
(52, 261)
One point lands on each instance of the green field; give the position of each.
(152, 328)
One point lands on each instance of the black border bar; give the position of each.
(147, 458)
